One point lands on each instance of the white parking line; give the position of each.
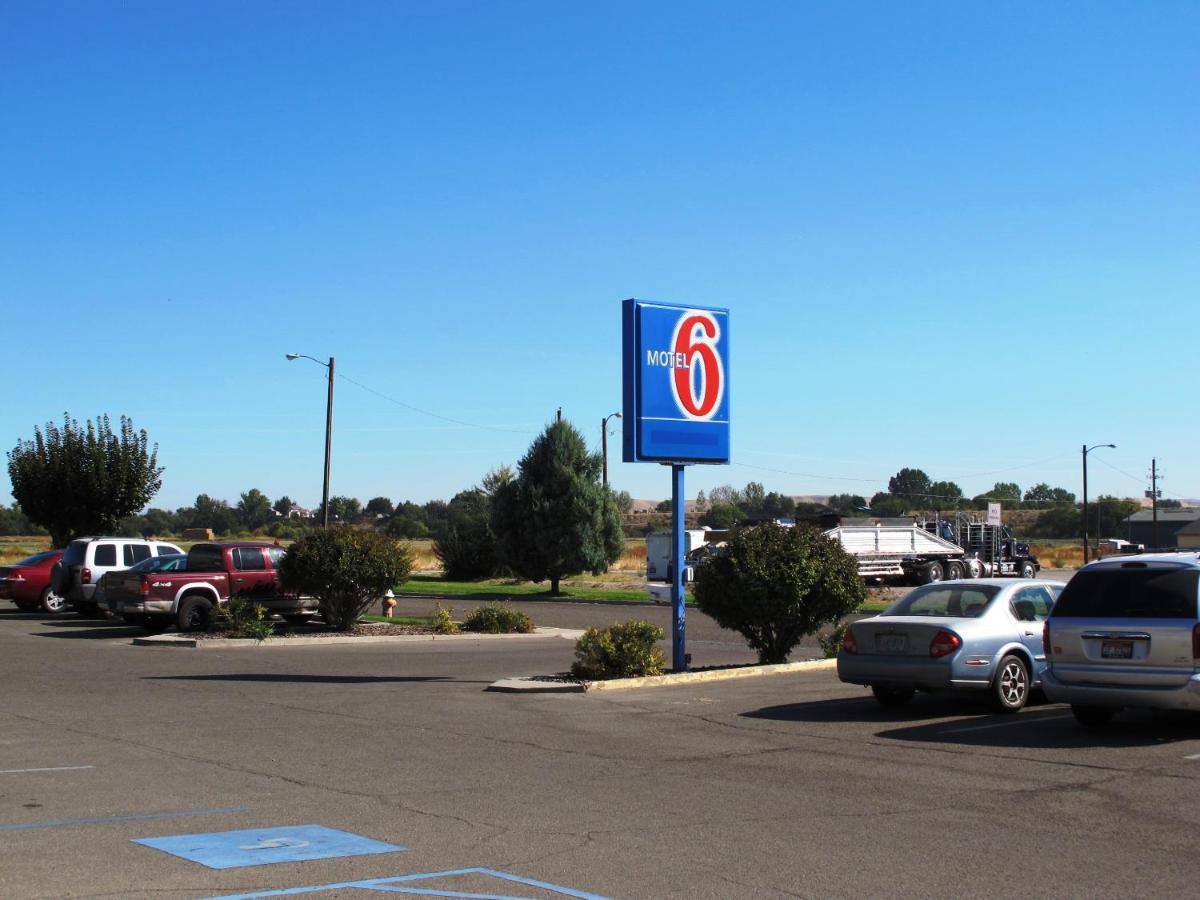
(1016, 720)
(50, 769)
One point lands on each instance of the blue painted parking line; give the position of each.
(104, 820)
(263, 846)
(405, 884)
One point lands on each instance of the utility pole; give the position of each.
(1154, 497)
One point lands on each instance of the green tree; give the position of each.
(345, 509)
(1108, 515)
(701, 501)
(910, 485)
(14, 522)
(624, 502)
(254, 509)
(208, 512)
(722, 515)
(943, 495)
(556, 518)
(777, 506)
(465, 544)
(380, 506)
(77, 480)
(774, 584)
(848, 504)
(408, 521)
(752, 499)
(1043, 493)
(283, 505)
(725, 493)
(663, 506)
(346, 569)
(1170, 504)
(885, 505)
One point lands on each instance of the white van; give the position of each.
(88, 558)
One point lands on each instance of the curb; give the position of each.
(528, 685)
(174, 640)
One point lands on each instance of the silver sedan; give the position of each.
(973, 634)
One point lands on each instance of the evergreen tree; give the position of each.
(555, 518)
(77, 480)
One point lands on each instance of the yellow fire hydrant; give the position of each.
(389, 603)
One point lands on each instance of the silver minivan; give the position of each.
(1126, 632)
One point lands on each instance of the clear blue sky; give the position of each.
(957, 236)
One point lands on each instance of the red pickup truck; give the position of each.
(214, 572)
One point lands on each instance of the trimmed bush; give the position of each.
(625, 650)
(346, 569)
(831, 642)
(244, 619)
(498, 618)
(775, 584)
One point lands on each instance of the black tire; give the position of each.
(52, 602)
(150, 624)
(194, 614)
(954, 570)
(1028, 570)
(932, 573)
(1010, 687)
(26, 605)
(1093, 716)
(892, 697)
(87, 610)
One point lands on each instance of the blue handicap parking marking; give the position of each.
(261, 846)
(448, 884)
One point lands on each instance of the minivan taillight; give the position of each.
(943, 643)
(850, 643)
(144, 587)
(1046, 638)
(85, 577)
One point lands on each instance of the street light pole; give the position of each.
(1086, 451)
(328, 433)
(604, 442)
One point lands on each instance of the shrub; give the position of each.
(346, 569)
(775, 584)
(244, 619)
(442, 621)
(625, 650)
(831, 641)
(498, 618)
(465, 544)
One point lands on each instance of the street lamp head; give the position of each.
(293, 356)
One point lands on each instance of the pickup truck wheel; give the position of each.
(195, 614)
(931, 573)
(52, 602)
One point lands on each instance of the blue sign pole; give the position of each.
(678, 649)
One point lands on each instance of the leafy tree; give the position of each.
(408, 521)
(1056, 522)
(465, 544)
(208, 512)
(664, 506)
(887, 506)
(848, 504)
(774, 585)
(943, 495)
(1169, 504)
(701, 501)
(1008, 491)
(725, 493)
(254, 509)
(722, 515)
(496, 479)
(752, 499)
(556, 518)
(77, 480)
(13, 522)
(910, 485)
(777, 506)
(345, 509)
(624, 502)
(283, 505)
(380, 506)
(1108, 515)
(346, 569)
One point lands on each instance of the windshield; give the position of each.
(1130, 594)
(952, 601)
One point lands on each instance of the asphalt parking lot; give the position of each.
(394, 763)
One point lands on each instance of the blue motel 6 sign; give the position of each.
(676, 383)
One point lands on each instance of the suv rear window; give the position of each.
(1130, 594)
(75, 553)
(105, 555)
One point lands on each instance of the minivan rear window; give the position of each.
(74, 554)
(1130, 594)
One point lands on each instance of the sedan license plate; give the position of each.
(892, 643)
(1116, 650)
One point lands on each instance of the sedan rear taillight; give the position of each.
(144, 586)
(849, 642)
(943, 643)
(85, 577)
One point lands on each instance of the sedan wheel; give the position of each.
(1011, 687)
(52, 602)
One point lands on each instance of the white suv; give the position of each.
(1126, 632)
(85, 560)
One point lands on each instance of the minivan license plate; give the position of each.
(1116, 650)
(893, 643)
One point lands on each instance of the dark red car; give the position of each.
(27, 583)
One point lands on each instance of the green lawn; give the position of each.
(487, 590)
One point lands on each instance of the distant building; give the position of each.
(299, 512)
(1171, 522)
(1189, 535)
